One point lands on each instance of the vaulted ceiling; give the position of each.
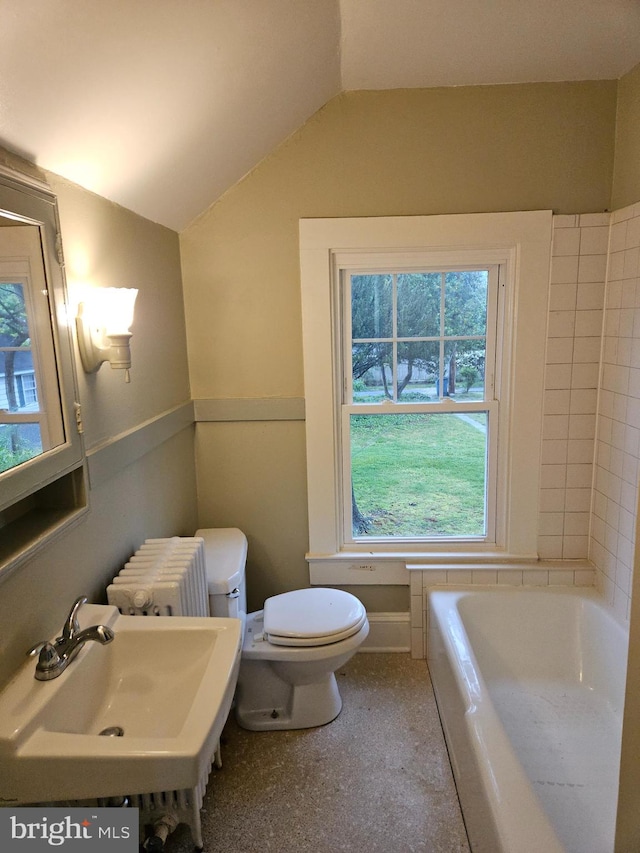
(162, 105)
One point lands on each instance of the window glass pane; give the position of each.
(419, 475)
(465, 301)
(372, 366)
(418, 371)
(17, 382)
(18, 443)
(464, 363)
(371, 306)
(419, 305)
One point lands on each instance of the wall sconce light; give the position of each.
(103, 325)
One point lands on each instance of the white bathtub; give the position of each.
(530, 689)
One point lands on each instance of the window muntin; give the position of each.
(420, 341)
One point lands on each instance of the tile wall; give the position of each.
(615, 488)
(574, 336)
(591, 430)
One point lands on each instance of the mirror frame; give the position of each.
(31, 201)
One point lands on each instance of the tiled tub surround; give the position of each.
(591, 428)
(615, 489)
(574, 334)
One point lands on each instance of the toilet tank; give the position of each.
(225, 550)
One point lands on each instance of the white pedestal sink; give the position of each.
(167, 682)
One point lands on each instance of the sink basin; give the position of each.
(166, 682)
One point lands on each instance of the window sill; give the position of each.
(394, 568)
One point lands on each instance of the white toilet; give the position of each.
(291, 648)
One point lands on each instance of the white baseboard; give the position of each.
(388, 632)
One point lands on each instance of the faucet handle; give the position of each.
(71, 626)
(48, 654)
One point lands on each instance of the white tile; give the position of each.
(535, 577)
(560, 350)
(590, 294)
(561, 324)
(618, 237)
(594, 241)
(594, 219)
(549, 548)
(582, 426)
(433, 577)
(552, 500)
(616, 266)
(554, 451)
(417, 644)
(575, 547)
(551, 524)
(583, 401)
(565, 220)
(588, 323)
(417, 611)
(592, 268)
(562, 297)
(631, 262)
(579, 476)
(580, 450)
(555, 427)
(577, 500)
(486, 577)
(553, 476)
(628, 299)
(576, 524)
(459, 577)
(585, 375)
(558, 376)
(561, 577)
(613, 294)
(566, 241)
(584, 577)
(511, 577)
(565, 269)
(633, 233)
(586, 349)
(557, 402)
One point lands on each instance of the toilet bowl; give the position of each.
(291, 648)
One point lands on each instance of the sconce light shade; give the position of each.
(103, 324)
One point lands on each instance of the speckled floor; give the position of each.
(376, 779)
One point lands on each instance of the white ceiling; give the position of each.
(162, 105)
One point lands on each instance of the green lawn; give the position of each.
(418, 475)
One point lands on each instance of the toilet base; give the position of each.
(283, 706)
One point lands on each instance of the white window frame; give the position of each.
(520, 241)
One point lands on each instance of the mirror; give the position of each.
(40, 444)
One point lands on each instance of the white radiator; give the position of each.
(165, 577)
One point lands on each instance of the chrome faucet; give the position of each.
(54, 658)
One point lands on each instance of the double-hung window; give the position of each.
(420, 410)
(424, 351)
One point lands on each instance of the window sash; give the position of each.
(444, 404)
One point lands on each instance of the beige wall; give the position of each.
(364, 154)
(155, 494)
(626, 177)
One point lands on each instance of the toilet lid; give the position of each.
(312, 617)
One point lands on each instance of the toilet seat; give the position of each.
(312, 617)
